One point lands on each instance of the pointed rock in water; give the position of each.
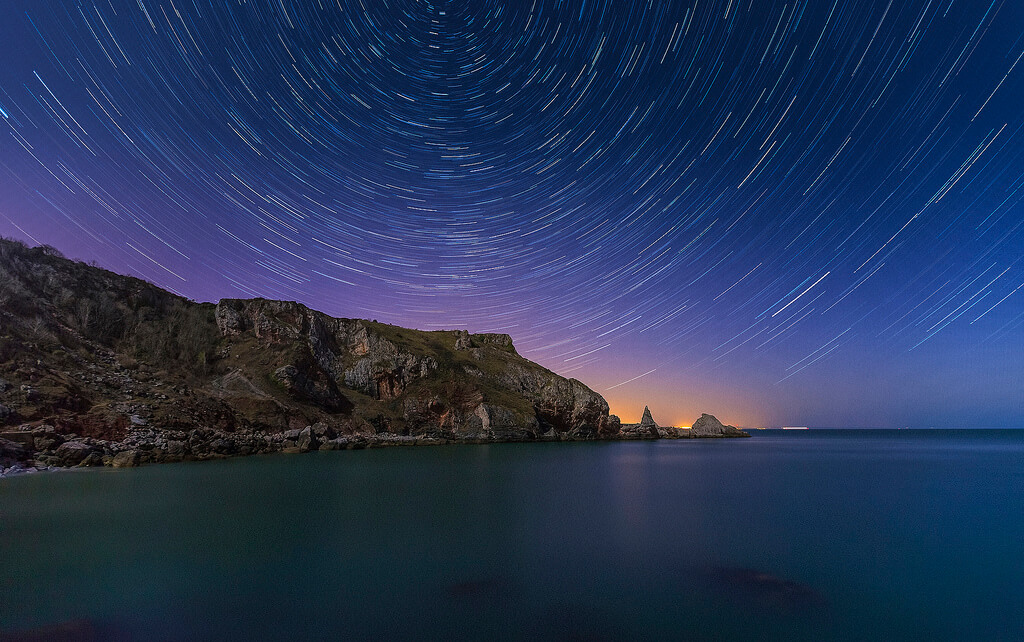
(647, 422)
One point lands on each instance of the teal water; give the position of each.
(900, 535)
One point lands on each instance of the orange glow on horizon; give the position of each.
(631, 413)
(681, 414)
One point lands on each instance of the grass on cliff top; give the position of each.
(52, 301)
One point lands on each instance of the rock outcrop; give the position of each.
(706, 427)
(647, 422)
(709, 426)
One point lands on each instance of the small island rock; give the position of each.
(710, 426)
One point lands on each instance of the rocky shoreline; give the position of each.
(101, 369)
(31, 449)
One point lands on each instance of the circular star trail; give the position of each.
(791, 211)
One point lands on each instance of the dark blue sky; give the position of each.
(781, 212)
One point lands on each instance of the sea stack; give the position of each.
(647, 422)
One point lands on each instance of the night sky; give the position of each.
(799, 212)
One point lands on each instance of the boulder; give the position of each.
(22, 437)
(322, 431)
(222, 445)
(462, 340)
(46, 437)
(175, 448)
(125, 459)
(72, 453)
(94, 458)
(306, 440)
(11, 452)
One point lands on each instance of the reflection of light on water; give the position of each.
(630, 483)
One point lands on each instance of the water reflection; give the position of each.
(776, 537)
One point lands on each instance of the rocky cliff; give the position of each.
(98, 368)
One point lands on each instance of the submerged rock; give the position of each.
(764, 590)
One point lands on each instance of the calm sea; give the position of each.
(858, 535)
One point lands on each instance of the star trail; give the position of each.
(783, 212)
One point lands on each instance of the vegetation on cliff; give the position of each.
(97, 368)
(94, 365)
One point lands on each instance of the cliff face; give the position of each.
(381, 378)
(98, 368)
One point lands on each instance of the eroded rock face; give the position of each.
(382, 363)
(269, 320)
(462, 340)
(502, 341)
(385, 373)
(563, 406)
(146, 376)
(313, 385)
(342, 352)
(610, 428)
